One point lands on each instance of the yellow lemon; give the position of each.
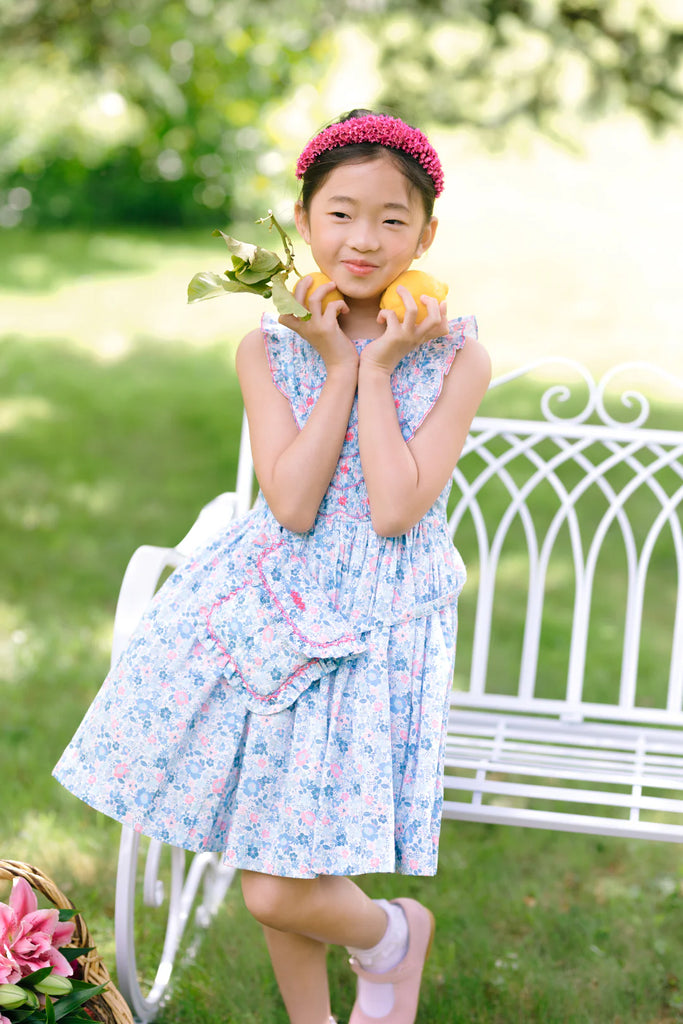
(418, 283)
(318, 279)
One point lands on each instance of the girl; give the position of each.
(284, 698)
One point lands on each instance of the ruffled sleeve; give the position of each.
(418, 379)
(298, 371)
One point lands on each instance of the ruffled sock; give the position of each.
(377, 1000)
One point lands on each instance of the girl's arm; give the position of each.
(294, 467)
(404, 478)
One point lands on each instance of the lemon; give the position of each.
(418, 283)
(318, 279)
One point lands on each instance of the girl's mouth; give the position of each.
(359, 268)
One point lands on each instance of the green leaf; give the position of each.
(205, 285)
(49, 1011)
(76, 998)
(239, 278)
(266, 261)
(253, 256)
(66, 913)
(72, 952)
(23, 1013)
(252, 277)
(285, 301)
(79, 985)
(232, 283)
(30, 979)
(244, 250)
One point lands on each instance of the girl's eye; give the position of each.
(394, 221)
(338, 214)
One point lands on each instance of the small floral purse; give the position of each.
(277, 631)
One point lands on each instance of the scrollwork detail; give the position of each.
(598, 392)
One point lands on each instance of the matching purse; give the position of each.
(277, 631)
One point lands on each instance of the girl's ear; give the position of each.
(427, 236)
(301, 221)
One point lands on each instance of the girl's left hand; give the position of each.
(400, 338)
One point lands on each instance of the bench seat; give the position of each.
(519, 769)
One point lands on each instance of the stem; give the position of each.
(286, 241)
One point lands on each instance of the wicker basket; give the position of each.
(109, 1007)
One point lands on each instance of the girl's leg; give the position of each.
(300, 967)
(299, 917)
(329, 908)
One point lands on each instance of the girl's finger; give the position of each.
(408, 301)
(338, 308)
(388, 317)
(301, 288)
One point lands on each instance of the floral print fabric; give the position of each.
(284, 699)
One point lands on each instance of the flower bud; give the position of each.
(54, 985)
(32, 999)
(11, 997)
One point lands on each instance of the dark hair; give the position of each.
(359, 152)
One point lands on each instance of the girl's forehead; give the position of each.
(376, 179)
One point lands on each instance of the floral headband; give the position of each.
(380, 129)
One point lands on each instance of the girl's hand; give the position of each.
(400, 338)
(322, 331)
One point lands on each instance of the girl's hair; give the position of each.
(316, 173)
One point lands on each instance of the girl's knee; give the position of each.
(270, 899)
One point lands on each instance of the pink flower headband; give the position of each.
(381, 129)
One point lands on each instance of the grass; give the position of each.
(105, 448)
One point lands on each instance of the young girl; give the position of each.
(284, 699)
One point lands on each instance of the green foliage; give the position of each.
(157, 112)
(490, 64)
(146, 111)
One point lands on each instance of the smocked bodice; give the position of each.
(299, 373)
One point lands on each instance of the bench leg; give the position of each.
(205, 870)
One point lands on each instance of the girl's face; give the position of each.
(365, 226)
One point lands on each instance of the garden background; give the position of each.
(129, 131)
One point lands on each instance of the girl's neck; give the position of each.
(361, 320)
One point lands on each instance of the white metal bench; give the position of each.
(567, 713)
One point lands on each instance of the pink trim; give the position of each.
(459, 326)
(347, 638)
(382, 130)
(271, 363)
(208, 613)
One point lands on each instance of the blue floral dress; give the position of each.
(284, 698)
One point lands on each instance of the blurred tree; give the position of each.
(155, 110)
(144, 110)
(492, 63)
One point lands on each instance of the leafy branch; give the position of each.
(255, 270)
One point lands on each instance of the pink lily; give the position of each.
(29, 937)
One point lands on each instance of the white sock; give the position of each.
(378, 1000)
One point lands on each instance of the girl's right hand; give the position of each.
(322, 331)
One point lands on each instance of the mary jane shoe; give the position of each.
(406, 976)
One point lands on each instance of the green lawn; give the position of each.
(114, 440)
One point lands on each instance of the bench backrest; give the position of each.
(571, 526)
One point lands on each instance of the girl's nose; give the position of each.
(362, 236)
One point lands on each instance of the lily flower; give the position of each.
(29, 937)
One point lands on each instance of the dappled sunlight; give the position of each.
(13, 640)
(17, 410)
(94, 498)
(60, 852)
(32, 513)
(562, 254)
